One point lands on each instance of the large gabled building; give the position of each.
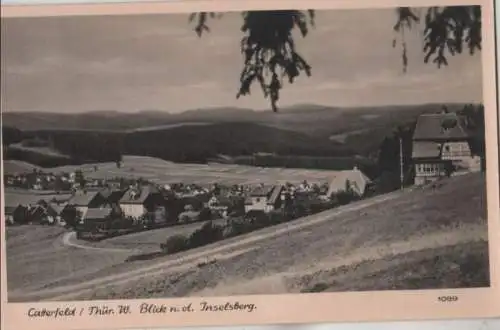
(442, 146)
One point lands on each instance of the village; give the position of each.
(98, 208)
(121, 205)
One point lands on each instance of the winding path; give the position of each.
(221, 250)
(69, 239)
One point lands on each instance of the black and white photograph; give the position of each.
(262, 152)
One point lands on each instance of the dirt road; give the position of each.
(219, 250)
(401, 234)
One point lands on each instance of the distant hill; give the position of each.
(17, 166)
(307, 118)
(199, 135)
(180, 143)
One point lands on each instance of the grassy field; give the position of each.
(162, 172)
(149, 241)
(36, 256)
(429, 238)
(17, 166)
(433, 237)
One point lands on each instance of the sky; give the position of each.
(156, 62)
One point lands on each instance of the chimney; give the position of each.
(355, 168)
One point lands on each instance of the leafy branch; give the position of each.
(447, 31)
(268, 49)
(270, 56)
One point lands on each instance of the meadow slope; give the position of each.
(404, 240)
(409, 243)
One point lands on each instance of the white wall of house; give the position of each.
(257, 204)
(133, 210)
(9, 219)
(455, 150)
(82, 210)
(269, 208)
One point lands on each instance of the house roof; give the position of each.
(442, 126)
(98, 213)
(275, 195)
(37, 209)
(83, 198)
(261, 191)
(426, 149)
(106, 192)
(138, 195)
(60, 197)
(10, 209)
(56, 208)
(356, 178)
(16, 199)
(112, 195)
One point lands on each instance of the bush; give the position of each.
(344, 197)
(240, 227)
(276, 217)
(205, 214)
(208, 233)
(176, 243)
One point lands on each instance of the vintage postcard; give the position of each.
(206, 163)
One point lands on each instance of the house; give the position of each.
(323, 192)
(84, 200)
(354, 179)
(265, 198)
(37, 213)
(98, 219)
(15, 214)
(276, 199)
(137, 201)
(55, 213)
(257, 199)
(442, 147)
(17, 206)
(112, 196)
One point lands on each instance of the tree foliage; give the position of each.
(268, 48)
(270, 56)
(447, 31)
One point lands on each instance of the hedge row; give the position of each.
(210, 233)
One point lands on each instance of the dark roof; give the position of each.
(56, 208)
(443, 126)
(15, 199)
(426, 149)
(261, 191)
(275, 195)
(61, 197)
(106, 192)
(37, 209)
(10, 209)
(138, 195)
(112, 195)
(98, 213)
(83, 198)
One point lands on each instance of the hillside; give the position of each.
(186, 143)
(308, 118)
(17, 166)
(199, 135)
(432, 237)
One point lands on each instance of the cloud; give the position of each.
(148, 61)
